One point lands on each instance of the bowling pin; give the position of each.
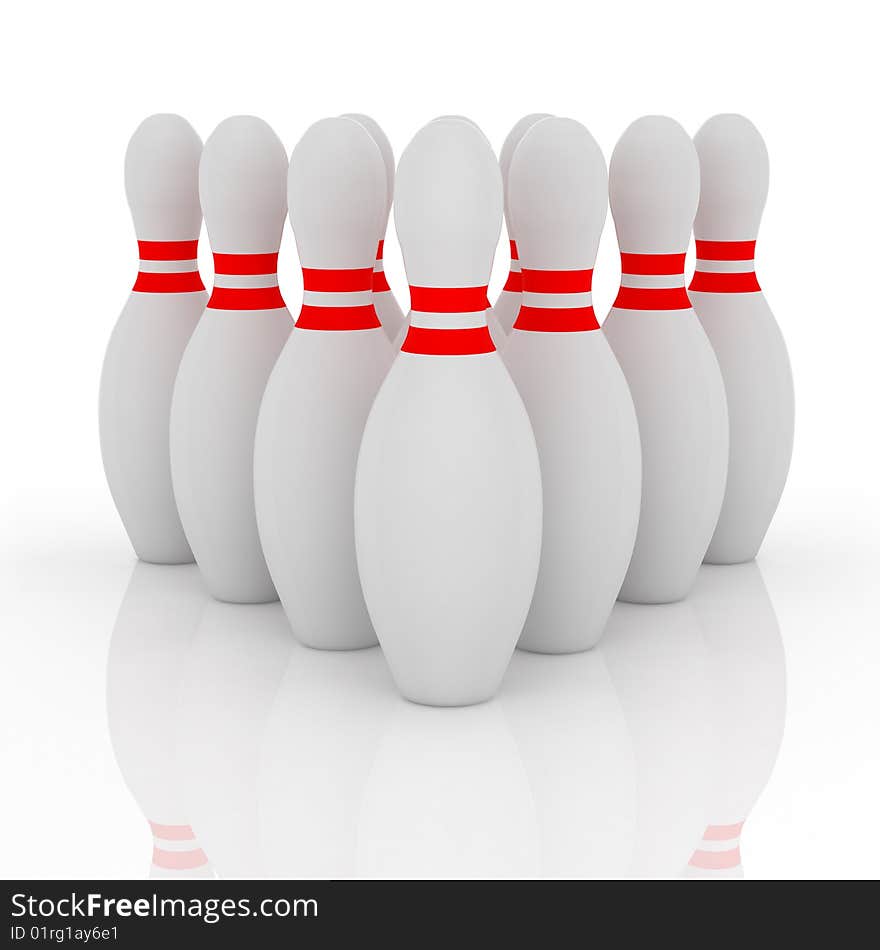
(734, 177)
(322, 387)
(746, 670)
(147, 343)
(151, 641)
(573, 388)
(448, 485)
(387, 308)
(673, 375)
(506, 305)
(242, 184)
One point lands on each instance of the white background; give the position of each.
(79, 77)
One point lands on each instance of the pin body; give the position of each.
(224, 370)
(670, 367)
(147, 343)
(751, 352)
(448, 488)
(322, 387)
(573, 388)
(506, 306)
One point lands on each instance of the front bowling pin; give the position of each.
(144, 352)
(734, 177)
(242, 184)
(323, 385)
(673, 375)
(448, 485)
(573, 388)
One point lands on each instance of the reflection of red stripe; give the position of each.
(337, 281)
(723, 832)
(182, 283)
(179, 860)
(337, 318)
(172, 832)
(380, 282)
(652, 263)
(712, 283)
(726, 250)
(451, 342)
(716, 860)
(380, 250)
(246, 298)
(448, 299)
(513, 283)
(652, 298)
(557, 281)
(556, 319)
(168, 250)
(514, 254)
(245, 263)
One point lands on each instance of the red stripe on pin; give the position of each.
(717, 283)
(514, 254)
(428, 341)
(557, 281)
(652, 263)
(556, 319)
(245, 263)
(448, 299)
(168, 250)
(652, 298)
(179, 860)
(338, 281)
(380, 282)
(337, 318)
(173, 283)
(246, 298)
(380, 250)
(726, 250)
(513, 284)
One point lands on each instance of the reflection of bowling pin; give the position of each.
(734, 177)
(673, 375)
(387, 307)
(573, 388)
(143, 355)
(242, 185)
(448, 486)
(657, 661)
(447, 797)
(507, 304)
(317, 751)
(322, 387)
(148, 652)
(568, 723)
(746, 668)
(233, 669)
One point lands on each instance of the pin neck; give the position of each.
(556, 301)
(725, 267)
(168, 267)
(448, 321)
(380, 281)
(652, 282)
(246, 282)
(513, 284)
(337, 299)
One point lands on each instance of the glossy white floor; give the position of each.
(130, 696)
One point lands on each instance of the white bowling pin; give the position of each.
(654, 183)
(573, 388)
(242, 184)
(387, 308)
(322, 387)
(143, 355)
(734, 177)
(448, 485)
(746, 670)
(506, 306)
(151, 641)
